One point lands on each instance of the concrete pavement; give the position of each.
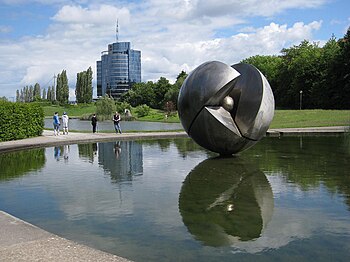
(329, 130)
(48, 139)
(21, 241)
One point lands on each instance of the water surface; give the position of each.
(169, 200)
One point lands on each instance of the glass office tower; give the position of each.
(118, 69)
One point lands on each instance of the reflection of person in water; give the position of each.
(117, 149)
(224, 201)
(57, 153)
(94, 148)
(65, 152)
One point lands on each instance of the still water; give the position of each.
(284, 199)
(82, 125)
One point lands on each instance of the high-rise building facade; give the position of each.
(118, 69)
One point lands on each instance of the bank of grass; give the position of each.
(72, 110)
(282, 118)
(310, 118)
(156, 115)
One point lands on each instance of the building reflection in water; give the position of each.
(224, 201)
(122, 159)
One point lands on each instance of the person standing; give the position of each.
(65, 119)
(116, 120)
(56, 124)
(94, 123)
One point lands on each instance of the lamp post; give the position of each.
(301, 99)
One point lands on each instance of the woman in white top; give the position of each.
(65, 123)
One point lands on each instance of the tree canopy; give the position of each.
(62, 88)
(83, 87)
(321, 75)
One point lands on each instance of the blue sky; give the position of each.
(40, 38)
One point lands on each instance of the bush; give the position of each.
(20, 120)
(121, 106)
(142, 110)
(105, 107)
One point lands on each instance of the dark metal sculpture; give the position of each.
(226, 109)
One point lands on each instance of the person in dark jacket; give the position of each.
(56, 124)
(94, 123)
(116, 120)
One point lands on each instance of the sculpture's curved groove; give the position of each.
(226, 109)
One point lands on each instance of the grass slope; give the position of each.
(282, 118)
(310, 118)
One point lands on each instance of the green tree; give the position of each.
(139, 94)
(121, 106)
(30, 94)
(299, 72)
(341, 73)
(160, 89)
(18, 96)
(83, 88)
(269, 66)
(36, 92)
(324, 90)
(88, 91)
(62, 88)
(105, 107)
(48, 94)
(142, 110)
(172, 94)
(44, 94)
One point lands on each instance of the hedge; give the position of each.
(20, 120)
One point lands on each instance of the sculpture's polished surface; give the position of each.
(226, 109)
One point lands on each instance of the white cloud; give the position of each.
(172, 36)
(103, 15)
(5, 29)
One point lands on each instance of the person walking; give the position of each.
(116, 120)
(65, 119)
(56, 124)
(94, 123)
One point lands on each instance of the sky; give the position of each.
(40, 38)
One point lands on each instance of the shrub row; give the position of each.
(20, 120)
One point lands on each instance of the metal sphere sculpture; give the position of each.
(226, 109)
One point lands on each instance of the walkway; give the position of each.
(21, 241)
(48, 139)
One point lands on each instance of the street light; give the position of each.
(301, 99)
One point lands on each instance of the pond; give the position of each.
(284, 199)
(82, 125)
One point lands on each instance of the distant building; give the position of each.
(118, 69)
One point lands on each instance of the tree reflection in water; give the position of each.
(16, 164)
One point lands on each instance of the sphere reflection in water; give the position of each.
(223, 201)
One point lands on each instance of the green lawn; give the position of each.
(72, 110)
(310, 118)
(282, 118)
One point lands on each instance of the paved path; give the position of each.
(308, 131)
(48, 139)
(21, 241)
